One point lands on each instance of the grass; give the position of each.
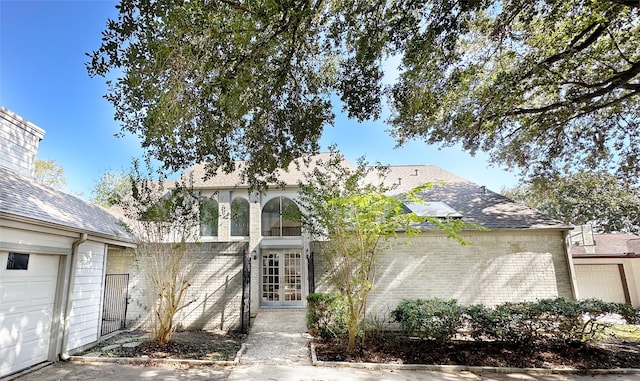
(624, 332)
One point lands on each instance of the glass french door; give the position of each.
(281, 278)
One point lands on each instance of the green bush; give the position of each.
(524, 323)
(434, 319)
(558, 320)
(326, 316)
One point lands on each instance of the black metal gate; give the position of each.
(114, 310)
(245, 307)
(312, 273)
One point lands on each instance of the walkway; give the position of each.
(278, 337)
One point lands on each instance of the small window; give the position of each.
(209, 217)
(17, 261)
(240, 217)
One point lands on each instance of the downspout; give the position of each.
(64, 355)
(572, 276)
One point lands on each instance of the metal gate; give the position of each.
(114, 310)
(311, 270)
(245, 313)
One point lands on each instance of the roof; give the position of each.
(474, 203)
(481, 206)
(22, 196)
(610, 244)
(224, 180)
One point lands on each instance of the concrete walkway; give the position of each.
(278, 337)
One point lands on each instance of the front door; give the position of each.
(282, 278)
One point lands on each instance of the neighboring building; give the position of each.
(607, 266)
(522, 257)
(53, 250)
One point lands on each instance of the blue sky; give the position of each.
(43, 79)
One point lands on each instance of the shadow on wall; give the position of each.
(489, 272)
(215, 287)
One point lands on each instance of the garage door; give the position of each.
(600, 281)
(27, 296)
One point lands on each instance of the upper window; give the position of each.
(281, 218)
(209, 217)
(240, 217)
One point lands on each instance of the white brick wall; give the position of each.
(500, 266)
(216, 286)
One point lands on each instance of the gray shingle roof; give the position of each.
(483, 207)
(476, 204)
(22, 196)
(223, 180)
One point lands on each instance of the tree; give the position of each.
(111, 188)
(610, 204)
(165, 222)
(352, 218)
(540, 85)
(48, 173)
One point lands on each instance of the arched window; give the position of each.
(281, 218)
(240, 217)
(209, 217)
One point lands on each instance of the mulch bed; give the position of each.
(402, 350)
(193, 345)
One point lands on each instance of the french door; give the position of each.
(282, 278)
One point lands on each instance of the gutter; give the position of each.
(572, 275)
(64, 355)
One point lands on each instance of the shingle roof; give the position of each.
(489, 209)
(476, 204)
(223, 180)
(22, 196)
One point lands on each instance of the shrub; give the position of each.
(326, 315)
(435, 319)
(558, 320)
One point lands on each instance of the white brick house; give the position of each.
(522, 257)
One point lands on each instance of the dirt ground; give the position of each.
(202, 345)
(194, 345)
(609, 354)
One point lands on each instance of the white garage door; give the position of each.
(26, 309)
(600, 281)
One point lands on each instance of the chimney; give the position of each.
(18, 143)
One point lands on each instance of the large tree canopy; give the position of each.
(540, 85)
(599, 198)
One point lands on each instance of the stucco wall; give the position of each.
(215, 286)
(499, 266)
